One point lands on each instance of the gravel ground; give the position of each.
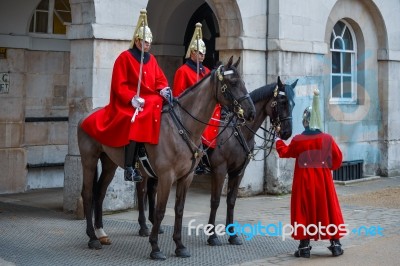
(386, 198)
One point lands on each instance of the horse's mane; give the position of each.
(195, 85)
(266, 91)
(262, 93)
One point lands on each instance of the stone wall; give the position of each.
(37, 94)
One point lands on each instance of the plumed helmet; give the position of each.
(142, 30)
(312, 114)
(197, 43)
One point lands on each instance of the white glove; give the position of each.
(138, 102)
(167, 94)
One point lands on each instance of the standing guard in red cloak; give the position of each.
(136, 97)
(314, 209)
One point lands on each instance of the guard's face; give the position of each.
(197, 56)
(139, 43)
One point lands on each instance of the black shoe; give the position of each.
(303, 249)
(201, 170)
(336, 248)
(132, 174)
(303, 252)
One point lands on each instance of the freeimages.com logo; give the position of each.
(280, 230)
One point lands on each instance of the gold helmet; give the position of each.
(142, 30)
(307, 114)
(196, 44)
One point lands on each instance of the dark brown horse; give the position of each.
(275, 100)
(176, 154)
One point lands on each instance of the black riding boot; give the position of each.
(303, 249)
(202, 168)
(336, 247)
(131, 173)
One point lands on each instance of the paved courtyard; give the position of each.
(35, 231)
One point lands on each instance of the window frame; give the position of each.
(50, 22)
(353, 67)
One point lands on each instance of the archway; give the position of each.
(210, 29)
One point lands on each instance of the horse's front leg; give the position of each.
(141, 190)
(233, 187)
(107, 175)
(182, 187)
(89, 183)
(217, 182)
(151, 197)
(163, 190)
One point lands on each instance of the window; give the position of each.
(343, 74)
(51, 17)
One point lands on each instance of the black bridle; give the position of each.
(275, 125)
(276, 118)
(237, 108)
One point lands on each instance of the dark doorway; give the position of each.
(210, 29)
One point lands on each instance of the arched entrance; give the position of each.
(210, 29)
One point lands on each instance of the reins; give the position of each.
(185, 133)
(270, 134)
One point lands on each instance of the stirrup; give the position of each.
(132, 175)
(202, 170)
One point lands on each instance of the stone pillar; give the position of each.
(389, 95)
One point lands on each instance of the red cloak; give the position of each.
(314, 200)
(112, 125)
(185, 77)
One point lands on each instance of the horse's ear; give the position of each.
(279, 82)
(237, 63)
(294, 84)
(230, 61)
(219, 63)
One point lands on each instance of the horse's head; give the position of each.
(282, 106)
(232, 93)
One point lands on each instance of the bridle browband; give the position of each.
(237, 108)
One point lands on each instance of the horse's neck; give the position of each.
(259, 119)
(200, 103)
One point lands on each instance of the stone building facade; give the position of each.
(348, 49)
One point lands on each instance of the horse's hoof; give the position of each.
(144, 232)
(94, 244)
(157, 255)
(214, 241)
(235, 240)
(105, 240)
(182, 252)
